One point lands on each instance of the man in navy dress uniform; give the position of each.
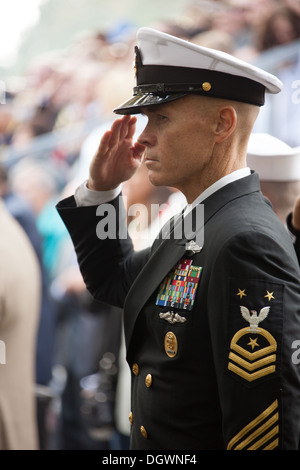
(212, 310)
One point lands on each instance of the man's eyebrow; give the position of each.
(149, 109)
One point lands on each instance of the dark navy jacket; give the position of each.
(213, 362)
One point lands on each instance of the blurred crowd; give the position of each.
(50, 123)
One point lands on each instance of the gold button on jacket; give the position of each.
(144, 432)
(148, 380)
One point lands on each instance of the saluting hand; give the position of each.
(117, 158)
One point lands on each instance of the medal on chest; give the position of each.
(179, 287)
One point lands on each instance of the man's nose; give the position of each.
(146, 138)
(142, 138)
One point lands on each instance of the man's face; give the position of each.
(179, 143)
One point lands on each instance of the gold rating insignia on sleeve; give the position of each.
(252, 349)
(260, 434)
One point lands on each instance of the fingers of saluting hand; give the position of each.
(116, 132)
(120, 131)
(109, 139)
(131, 127)
(104, 145)
(117, 157)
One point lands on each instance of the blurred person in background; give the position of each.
(282, 26)
(24, 215)
(278, 168)
(231, 19)
(87, 333)
(85, 330)
(293, 5)
(20, 289)
(38, 183)
(281, 115)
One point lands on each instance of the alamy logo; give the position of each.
(113, 223)
(2, 353)
(296, 354)
(296, 93)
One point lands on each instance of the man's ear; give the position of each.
(227, 120)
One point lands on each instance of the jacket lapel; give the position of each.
(162, 260)
(172, 249)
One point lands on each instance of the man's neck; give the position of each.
(227, 179)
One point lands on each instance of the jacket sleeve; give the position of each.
(104, 250)
(255, 324)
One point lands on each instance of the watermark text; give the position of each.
(296, 93)
(296, 353)
(148, 223)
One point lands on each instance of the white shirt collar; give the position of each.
(235, 175)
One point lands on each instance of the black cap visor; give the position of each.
(138, 101)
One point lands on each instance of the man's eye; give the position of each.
(162, 118)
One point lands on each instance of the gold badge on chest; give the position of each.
(171, 344)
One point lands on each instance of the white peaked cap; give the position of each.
(168, 68)
(273, 159)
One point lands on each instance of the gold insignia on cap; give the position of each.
(206, 86)
(171, 345)
(261, 361)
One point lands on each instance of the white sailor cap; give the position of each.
(273, 159)
(168, 68)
